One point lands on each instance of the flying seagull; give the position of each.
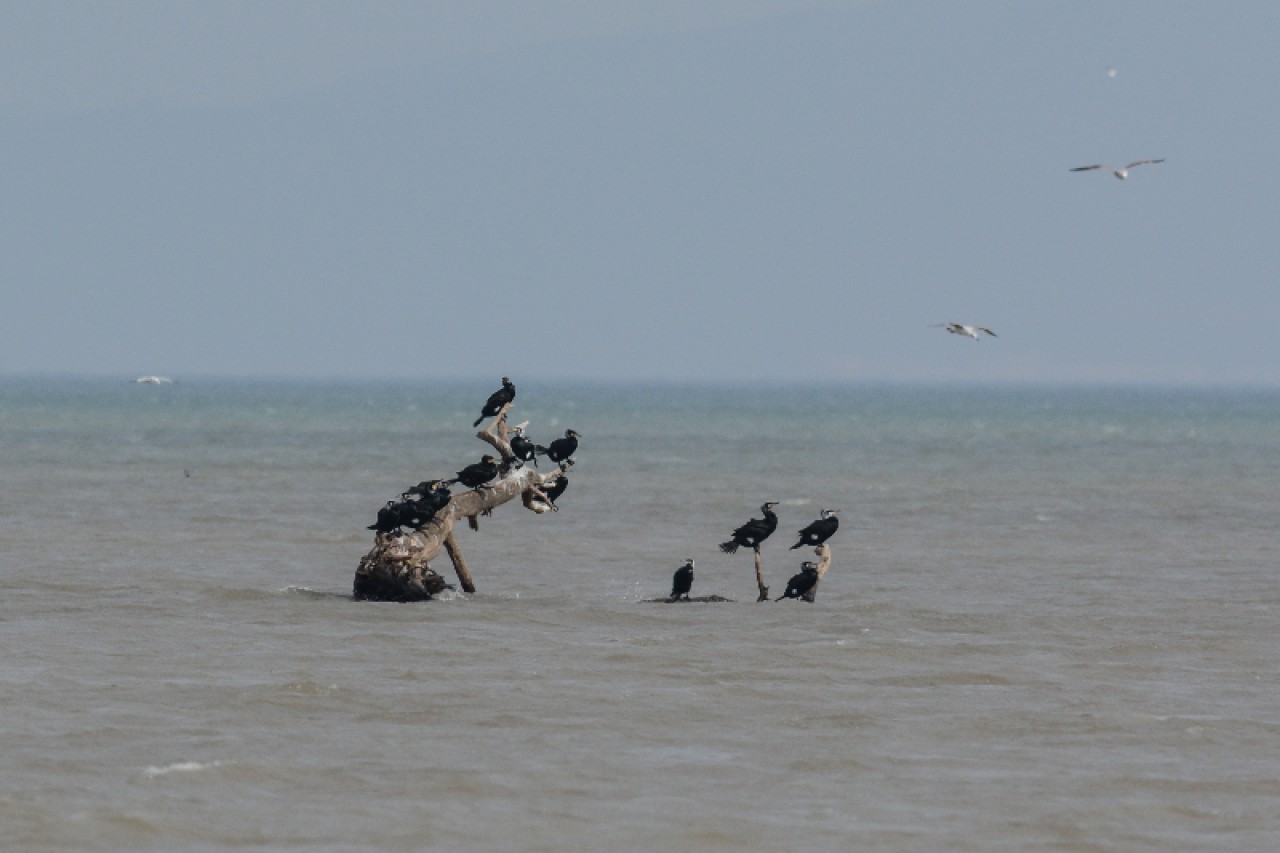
(1119, 173)
(962, 329)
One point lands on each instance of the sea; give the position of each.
(1049, 624)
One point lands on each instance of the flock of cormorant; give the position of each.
(755, 532)
(420, 504)
(408, 512)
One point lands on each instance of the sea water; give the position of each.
(1049, 622)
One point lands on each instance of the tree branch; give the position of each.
(764, 590)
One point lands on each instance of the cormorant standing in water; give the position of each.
(497, 400)
(476, 475)
(820, 531)
(682, 581)
(562, 448)
(755, 531)
(522, 448)
(801, 583)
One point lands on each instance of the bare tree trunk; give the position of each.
(398, 568)
(764, 590)
(824, 562)
(459, 563)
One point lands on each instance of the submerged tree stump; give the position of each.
(398, 567)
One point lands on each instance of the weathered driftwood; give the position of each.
(398, 567)
(824, 562)
(764, 590)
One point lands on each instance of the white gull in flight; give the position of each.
(962, 329)
(1119, 173)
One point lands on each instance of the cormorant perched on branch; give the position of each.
(682, 581)
(557, 487)
(497, 400)
(476, 475)
(435, 496)
(820, 531)
(406, 513)
(522, 448)
(388, 518)
(562, 448)
(801, 583)
(755, 531)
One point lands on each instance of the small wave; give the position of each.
(307, 592)
(308, 688)
(180, 767)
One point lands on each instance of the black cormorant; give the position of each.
(820, 531)
(435, 496)
(388, 518)
(562, 448)
(755, 531)
(413, 514)
(682, 581)
(801, 583)
(522, 448)
(476, 475)
(497, 400)
(558, 485)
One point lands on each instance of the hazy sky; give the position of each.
(649, 190)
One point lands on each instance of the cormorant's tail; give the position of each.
(454, 480)
(478, 420)
(730, 547)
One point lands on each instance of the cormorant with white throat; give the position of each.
(801, 583)
(562, 448)
(820, 531)
(682, 581)
(522, 448)
(497, 400)
(755, 531)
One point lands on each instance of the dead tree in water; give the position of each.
(398, 568)
(764, 590)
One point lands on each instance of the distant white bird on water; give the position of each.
(963, 329)
(1119, 173)
(153, 380)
